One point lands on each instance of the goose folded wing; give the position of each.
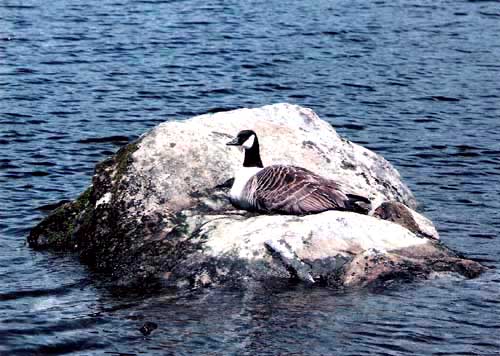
(295, 190)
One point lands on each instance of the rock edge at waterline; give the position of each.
(157, 211)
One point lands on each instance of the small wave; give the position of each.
(490, 14)
(225, 91)
(37, 173)
(220, 109)
(399, 84)
(18, 7)
(33, 293)
(16, 115)
(426, 155)
(43, 163)
(440, 98)
(52, 206)
(25, 71)
(466, 154)
(333, 33)
(483, 236)
(64, 113)
(352, 126)
(359, 86)
(118, 139)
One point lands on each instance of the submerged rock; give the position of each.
(158, 210)
(147, 328)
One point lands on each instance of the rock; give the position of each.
(406, 217)
(147, 328)
(55, 231)
(158, 211)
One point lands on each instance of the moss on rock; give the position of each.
(56, 230)
(122, 159)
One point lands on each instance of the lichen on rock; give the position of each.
(158, 211)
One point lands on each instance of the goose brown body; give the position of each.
(286, 189)
(293, 190)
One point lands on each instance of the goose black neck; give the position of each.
(252, 156)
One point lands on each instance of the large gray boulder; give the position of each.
(158, 211)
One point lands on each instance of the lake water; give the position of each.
(415, 81)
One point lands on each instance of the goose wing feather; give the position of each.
(295, 190)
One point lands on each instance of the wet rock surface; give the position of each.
(157, 211)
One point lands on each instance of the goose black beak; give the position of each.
(233, 142)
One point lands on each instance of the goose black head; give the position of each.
(245, 138)
(249, 141)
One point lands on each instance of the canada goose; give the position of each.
(285, 189)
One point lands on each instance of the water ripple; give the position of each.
(414, 81)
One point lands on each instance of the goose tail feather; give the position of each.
(358, 204)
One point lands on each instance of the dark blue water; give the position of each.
(416, 81)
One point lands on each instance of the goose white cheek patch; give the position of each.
(249, 142)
